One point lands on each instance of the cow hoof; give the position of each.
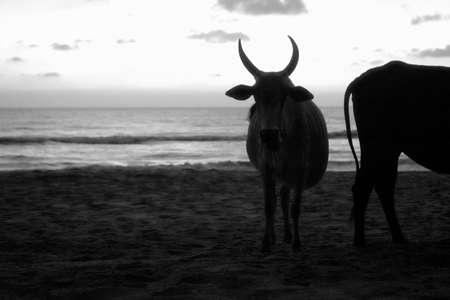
(265, 249)
(401, 241)
(359, 243)
(266, 245)
(273, 241)
(287, 238)
(296, 247)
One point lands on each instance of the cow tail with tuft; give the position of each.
(347, 122)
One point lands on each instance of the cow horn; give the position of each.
(247, 63)
(294, 59)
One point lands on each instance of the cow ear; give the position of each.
(240, 92)
(300, 94)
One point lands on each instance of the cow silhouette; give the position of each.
(287, 142)
(398, 108)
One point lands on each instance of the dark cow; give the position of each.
(398, 108)
(287, 141)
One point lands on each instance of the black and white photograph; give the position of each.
(224, 149)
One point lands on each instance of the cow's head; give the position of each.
(271, 90)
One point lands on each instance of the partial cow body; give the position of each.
(302, 144)
(398, 108)
(287, 142)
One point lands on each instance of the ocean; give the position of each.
(57, 138)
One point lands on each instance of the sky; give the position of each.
(144, 53)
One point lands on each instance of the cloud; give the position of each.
(436, 52)
(42, 75)
(63, 47)
(82, 41)
(49, 74)
(363, 62)
(219, 36)
(428, 18)
(264, 7)
(15, 59)
(122, 41)
(21, 43)
(377, 62)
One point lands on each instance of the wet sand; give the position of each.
(146, 233)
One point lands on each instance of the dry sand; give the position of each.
(123, 233)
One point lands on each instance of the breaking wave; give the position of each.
(341, 134)
(117, 140)
(125, 140)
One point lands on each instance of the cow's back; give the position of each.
(406, 107)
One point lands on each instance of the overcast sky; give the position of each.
(184, 53)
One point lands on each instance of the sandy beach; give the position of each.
(171, 233)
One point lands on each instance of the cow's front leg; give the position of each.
(269, 208)
(295, 214)
(295, 207)
(285, 207)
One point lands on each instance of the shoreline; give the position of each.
(334, 166)
(171, 233)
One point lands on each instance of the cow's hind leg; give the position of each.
(270, 197)
(385, 189)
(362, 188)
(285, 207)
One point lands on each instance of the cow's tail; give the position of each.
(347, 122)
(348, 92)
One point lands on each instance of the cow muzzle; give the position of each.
(271, 139)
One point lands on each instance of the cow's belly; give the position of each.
(432, 154)
(290, 171)
(291, 175)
